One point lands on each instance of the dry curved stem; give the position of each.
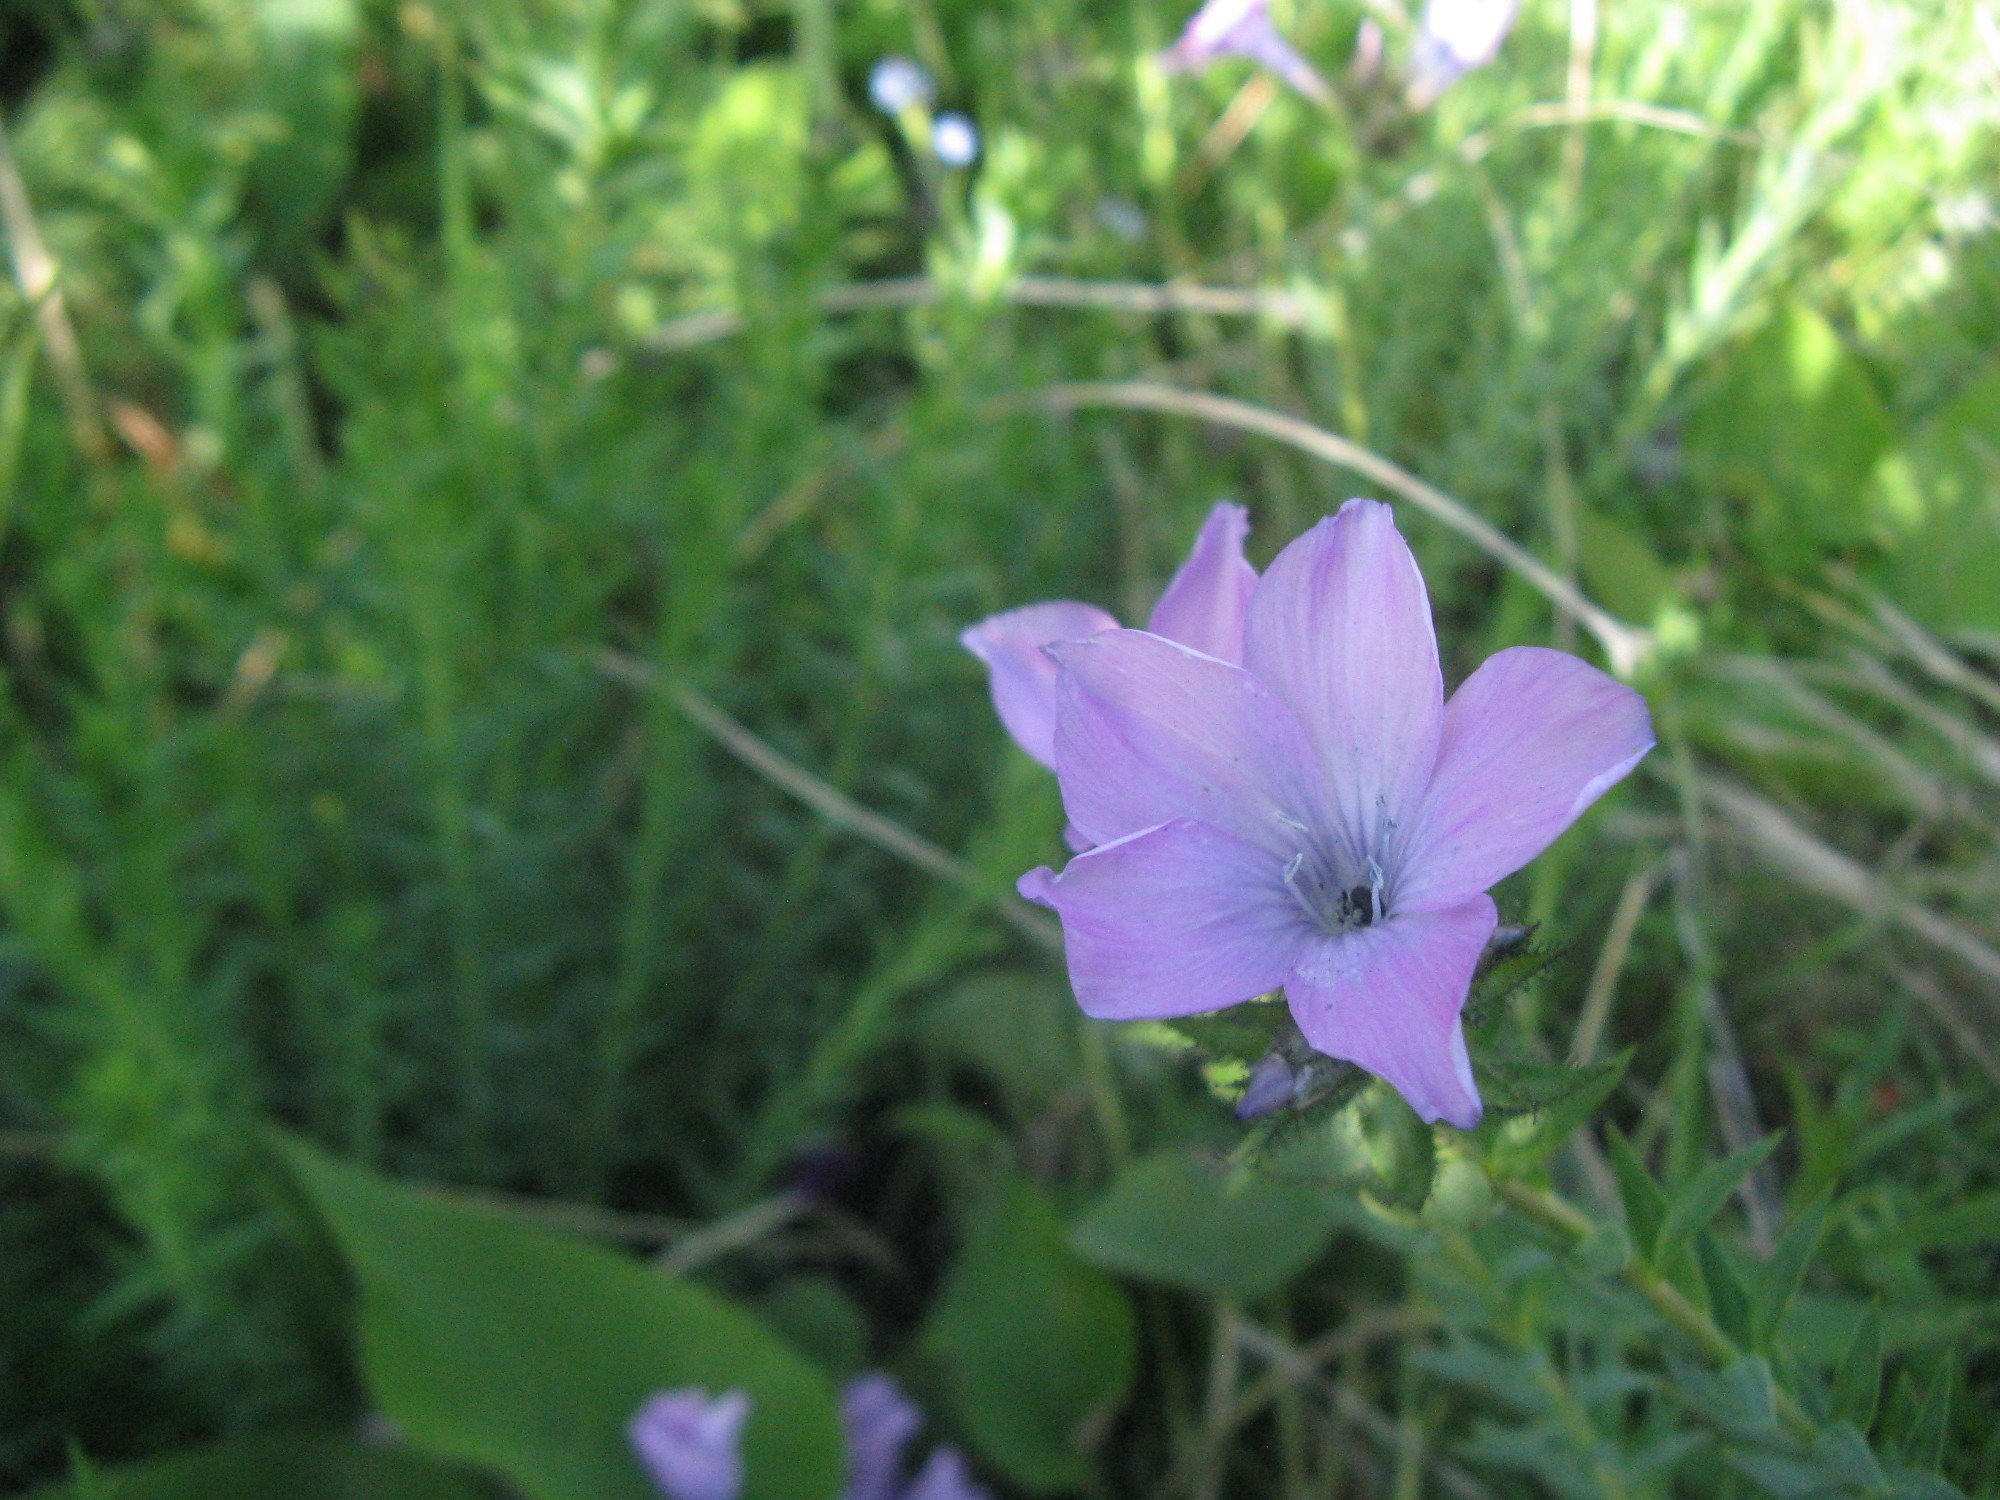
(1625, 646)
(829, 802)
(36, 270)
(1138, 297)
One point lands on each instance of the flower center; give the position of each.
(1331, 904)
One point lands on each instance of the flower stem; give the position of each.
(1666, 1299)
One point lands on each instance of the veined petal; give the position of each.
(1340, 625)
(1171, 921)
(1205, 601)
(1023, 679)
(1148, 730)
(1530, 740)
(1388, 997)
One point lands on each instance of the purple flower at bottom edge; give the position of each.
(879, 1422)
(1242, 28)
(690, 1445)
(1318, 818)
(1203, 607)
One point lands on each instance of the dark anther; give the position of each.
(1361, 904)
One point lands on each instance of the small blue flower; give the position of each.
(896, 83)
(690, 1445)
(955, 139)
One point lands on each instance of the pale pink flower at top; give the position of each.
(691, 1445)
(1202, 607)
(1453, 38)
(1242, 28)
(1318, 817)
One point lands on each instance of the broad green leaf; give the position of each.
(821, 1321)
(1857, 1382)
(1034, 1347)
(296, 1466)
(1645, 1205)
(1017, 1029)
(1783, 1272)
(526, 1352)
(1841, 1453)
(1940, 492)
(1728, 1303)
(1620, 568)
(1173, 1218)
(1795, 427)
(1703, 1195)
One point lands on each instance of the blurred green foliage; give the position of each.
(457, 426)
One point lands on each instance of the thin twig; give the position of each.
(829, 802)
(1639, 888)
(36, 270)
(1626, 646)
(1821, 868)
(1138, 297)
(713, 1241)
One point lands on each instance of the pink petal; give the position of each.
(1530, 740)
(1171, 921)
(1024, 680)
(1204, 604)
(1147, 730)
(1388, 998)
(1259, 40)
(1340, 625)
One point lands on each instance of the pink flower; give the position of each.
(1315, 816)
(1203, 607)
(1241, 28)
(1453, 38)
(690, 1445)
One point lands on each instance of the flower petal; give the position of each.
(1147, 730)
(1209, 33)
(690, 1445)
(1024, 680)
(1340, 625)
(1259, 40)
(878, 1422)
(1205, 601)
(1388, 997)
(1171, 921)
(1530, 740)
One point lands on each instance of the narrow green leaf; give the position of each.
(1173, 1218)
(526, 1352)
(1645, 1205)
(1923, 1442)
(1783, 1272)
(1857, 1382)
(1964, 1225)
(1036, 1349)
(1705, 1193)
(1728, 1302)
